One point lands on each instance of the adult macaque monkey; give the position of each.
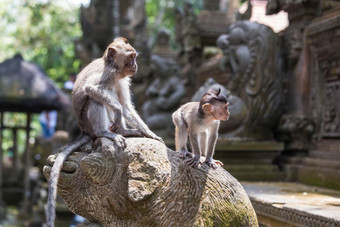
(200, 121)
(101, 103)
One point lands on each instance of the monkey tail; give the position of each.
(54, 176)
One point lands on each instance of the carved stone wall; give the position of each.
(318, 90)
(324, 51)
(331, 112)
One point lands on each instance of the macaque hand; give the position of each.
(194, 162)
(218, 162)
(119, 141)
(113, 127)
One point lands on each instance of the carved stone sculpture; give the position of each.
(164, 93)
(191, 36)
(251, 52)
(150, 185)
(296, 132)
(162, 45)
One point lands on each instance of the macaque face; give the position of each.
(220, 111)
(130, 64)
(123, 55)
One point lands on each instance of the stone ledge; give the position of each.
(230, 145)
(294, 204)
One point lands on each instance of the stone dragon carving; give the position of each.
(251, 53)
(148, 184)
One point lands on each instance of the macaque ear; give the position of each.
(111, 54)
(207, 108)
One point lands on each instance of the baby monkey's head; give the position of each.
(215, 104)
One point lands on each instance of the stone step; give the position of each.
(324, 154)
(251, 168)
(313, 171)
(256, 172)
(259, 176)
(230, 145)
(244, 161)
(314, 162)
(313, 175)
(293, 204)
(246, 154)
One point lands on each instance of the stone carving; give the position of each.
(331, 110)
(251, 52)
(162, 45)
(164, 93)
(95, 19)
(296, 131)
(293, 44)
(191, 36)
(149, 185)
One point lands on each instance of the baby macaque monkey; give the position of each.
(200, 121)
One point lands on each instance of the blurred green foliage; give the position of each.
(43, 31)
(161, 13)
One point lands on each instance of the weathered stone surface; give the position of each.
(147, 184)
(164, 95)
(294, 204)
(251, 51)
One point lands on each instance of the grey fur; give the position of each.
(101, 104)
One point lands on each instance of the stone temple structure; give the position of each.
(283, 90)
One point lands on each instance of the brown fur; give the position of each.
(102, 104)
(200, 122)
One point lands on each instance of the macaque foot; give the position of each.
(213, 163)
(184, 153)
(119, 140)
(219, 162)
(194, 162)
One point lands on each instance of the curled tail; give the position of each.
(54, 176)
